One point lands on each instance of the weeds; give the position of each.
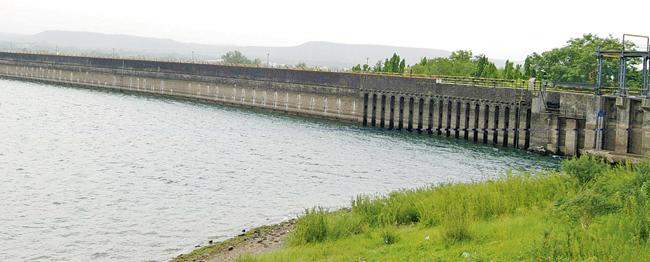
(592, 211)
(318, 225)
(389, 236)
(584, 168)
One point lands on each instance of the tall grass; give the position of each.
(455, 206)
(318, 225)
(591, 210)
(607, 218)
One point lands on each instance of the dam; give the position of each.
(525, 117)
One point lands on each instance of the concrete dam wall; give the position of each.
(550, 121)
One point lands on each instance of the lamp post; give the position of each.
(267, 60)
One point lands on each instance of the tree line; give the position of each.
(574, 62)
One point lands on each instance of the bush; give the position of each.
(586, 205)
(584, 168)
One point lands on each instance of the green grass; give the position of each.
(588, 211)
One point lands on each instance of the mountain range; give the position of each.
(315, 53)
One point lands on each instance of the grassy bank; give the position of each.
(587, 211)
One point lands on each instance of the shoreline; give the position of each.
(538, 217)
(257, 240)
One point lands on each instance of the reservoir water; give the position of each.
(93, 175)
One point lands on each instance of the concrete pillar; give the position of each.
(645, 125)
(453, 119)
(542, 131)
(402, 111)
(525, 118)
(483, 122)
(622, 124)
(365, 97)
(592, 131)
(382, 110)
(540, 121)
(553, 135)
(465, 118)
(392, 105)
(492, 125)
(412, 113)
(571, 139)
(430, 112)
(422, 114)
(512, 122)
(373, 109)
(438, 115)
(457, 116)
(500, 123)
(447, 116)
(474, 126)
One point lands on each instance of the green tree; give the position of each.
(394, 64)
(361, 68)
(301, 66)
(459, 63)
(236, 57)
(378, 67)
(519, 74)
(484, 68)
(576, 62)
(402, 66)
(508, 70)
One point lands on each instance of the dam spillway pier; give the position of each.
(528, 118)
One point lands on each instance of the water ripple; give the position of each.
(91, 175)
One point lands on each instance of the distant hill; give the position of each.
(333, 55)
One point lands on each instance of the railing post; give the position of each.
(621, 78)
(599, 79)
(644, 86)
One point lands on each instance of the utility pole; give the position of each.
(267, 60)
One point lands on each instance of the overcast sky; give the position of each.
(499, 29)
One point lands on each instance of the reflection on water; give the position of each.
(91, 175)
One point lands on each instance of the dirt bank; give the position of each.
(258, 240)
